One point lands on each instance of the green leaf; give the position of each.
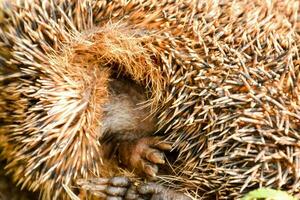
(268, 193)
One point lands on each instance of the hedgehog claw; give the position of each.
(143, 155)
(150, 170)
(163, 146)
(154, 156)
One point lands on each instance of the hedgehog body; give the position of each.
(224, 78)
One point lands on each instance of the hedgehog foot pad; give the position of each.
(143, 155)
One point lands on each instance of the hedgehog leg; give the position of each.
(159, 192)
(143, 155)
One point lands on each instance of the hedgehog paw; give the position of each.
(143, 155)
(158, 192)
(110, 189)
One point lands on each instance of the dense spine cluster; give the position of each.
(224, 76)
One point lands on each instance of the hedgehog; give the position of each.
(222, 77)
(230, 103)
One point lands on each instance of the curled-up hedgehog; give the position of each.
(220, 80)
